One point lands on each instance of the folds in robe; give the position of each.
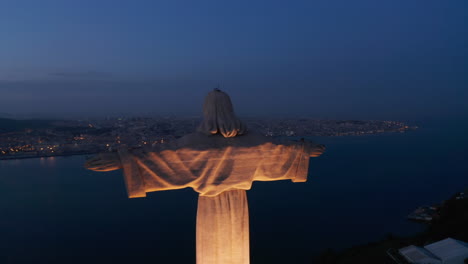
(213, 164)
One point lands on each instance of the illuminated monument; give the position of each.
(219, 161)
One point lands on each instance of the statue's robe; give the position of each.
(220, 170)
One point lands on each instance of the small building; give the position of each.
(447, 251)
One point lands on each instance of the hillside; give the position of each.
(451, 223)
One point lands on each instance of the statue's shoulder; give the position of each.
(249, 139)
(196, 140)
(202, 141)
(254, 135)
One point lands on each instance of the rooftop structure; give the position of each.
(447, 251)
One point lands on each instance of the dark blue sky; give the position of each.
(364, 59)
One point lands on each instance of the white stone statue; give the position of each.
(219, 161)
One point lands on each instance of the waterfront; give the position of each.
(363, 188)
(21, 139)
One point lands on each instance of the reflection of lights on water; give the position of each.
(50, 160)
(47, 161)
(16, 162)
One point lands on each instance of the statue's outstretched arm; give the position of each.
(104, 162)
(317, 150)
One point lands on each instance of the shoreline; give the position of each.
(450, 223)
(94, 152)
(48, 156)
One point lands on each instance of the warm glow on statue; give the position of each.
(219, 161)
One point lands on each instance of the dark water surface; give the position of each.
(54, 211)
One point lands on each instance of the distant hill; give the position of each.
(5, 115)
(11, 125)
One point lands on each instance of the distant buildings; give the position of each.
(70, 137)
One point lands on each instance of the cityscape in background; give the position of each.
(42, 138)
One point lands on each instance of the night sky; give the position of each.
(362, 59)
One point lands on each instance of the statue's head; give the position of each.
(219, 117)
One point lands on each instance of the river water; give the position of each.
(54, 211)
